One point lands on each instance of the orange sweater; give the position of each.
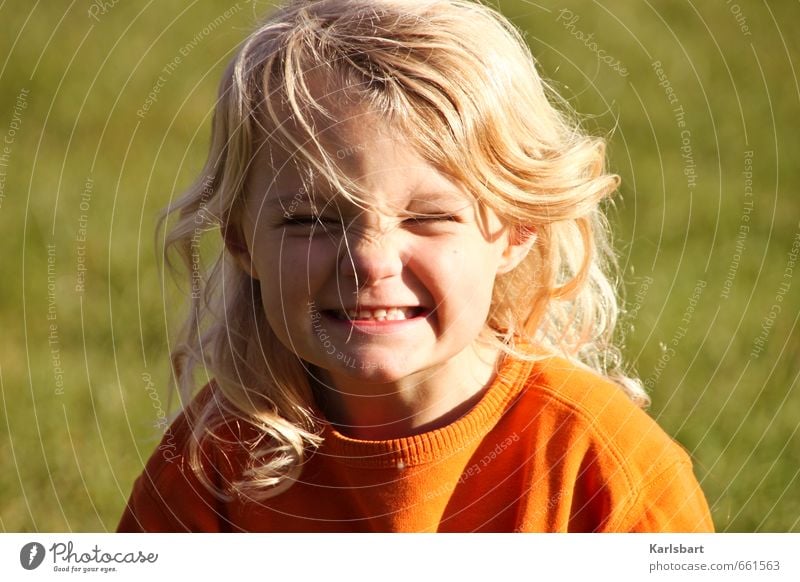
(549, 447)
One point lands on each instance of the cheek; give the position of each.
(460, 277)
(293, 269)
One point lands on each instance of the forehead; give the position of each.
(322, 107)
(361, 146)
(389, 180)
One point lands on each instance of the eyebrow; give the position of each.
(288, 198)
(300, 196)
(446, 196)
(299, 202)
(293, 198)
(308, 181)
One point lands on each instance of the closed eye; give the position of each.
(431, 219)
(310, 220)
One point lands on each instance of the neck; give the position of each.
(422, 402)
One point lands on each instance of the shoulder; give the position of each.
(572, 394)
(172, 454)
(596, 409)
(622, 469)
(169, 495)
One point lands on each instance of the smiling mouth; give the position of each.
(377, 314)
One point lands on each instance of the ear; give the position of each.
(520, 242)
(237, 246)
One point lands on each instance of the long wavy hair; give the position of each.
(459, 80)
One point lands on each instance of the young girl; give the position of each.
(410, 325)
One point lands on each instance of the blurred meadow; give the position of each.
(105, 113)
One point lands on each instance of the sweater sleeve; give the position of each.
(671, 501)
(147, 511)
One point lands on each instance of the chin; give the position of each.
(363, 371)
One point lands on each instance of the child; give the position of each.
(410, 326)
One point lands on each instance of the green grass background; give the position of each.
(69, 458)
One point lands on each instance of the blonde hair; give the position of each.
(459, 79)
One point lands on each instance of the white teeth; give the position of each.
(390, 314)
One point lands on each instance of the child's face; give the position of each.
(373, 295)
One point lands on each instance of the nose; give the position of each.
(369, 257)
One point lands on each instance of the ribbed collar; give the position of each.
(436, 444)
